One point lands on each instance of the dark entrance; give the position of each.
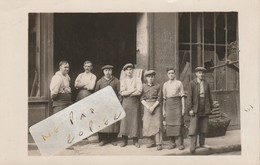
(103, 38)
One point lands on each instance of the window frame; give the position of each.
(201, 57)
(44, 47)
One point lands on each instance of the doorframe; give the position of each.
(47, 26)
(150, 27)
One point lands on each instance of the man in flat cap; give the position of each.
(152, 121)
(199, 106)
(130, 90)
(110, 133)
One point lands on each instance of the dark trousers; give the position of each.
(179, 139)
(199, 122)
(108, 137)
(198, 126)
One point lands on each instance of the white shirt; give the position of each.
(172, 89)
(60, 83)
(131, 84)
(201, 82)
(88, 79)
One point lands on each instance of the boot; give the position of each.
(193, 142)
(202, 138)
(172, 143)
(125, 138)
(135, 140)
(159, 147)
(180, 143)
(151, 143)
(102, 143)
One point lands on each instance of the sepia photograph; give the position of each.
(130, 82)
(174, 75)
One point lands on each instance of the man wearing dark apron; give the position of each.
(85, 82)
(60, 88)
(199, 105)
(110, 133)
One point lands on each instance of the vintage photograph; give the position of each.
(175, 75)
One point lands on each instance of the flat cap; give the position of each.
(200, 69)
(129, 65)
(149, 72)
(107, 67)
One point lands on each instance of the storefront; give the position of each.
(149, 40)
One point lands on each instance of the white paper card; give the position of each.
(77, 121)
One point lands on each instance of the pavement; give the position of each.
(230, 143)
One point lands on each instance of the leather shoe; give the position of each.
(159, 147)
(181, 147)
(204, 146)
(137, 144)
(172, 146)
(123, 144)
(102, 143)
(114, 143)
(150, 145)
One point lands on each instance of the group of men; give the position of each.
(199, 102)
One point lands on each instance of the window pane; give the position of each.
(209, 62)
(196, 56)
(33, 57)
(184, 65)
(221, 52)
(220, 28)
(231, 27)
(232, 70)
(208, 27)
(221, 71)
(196, 27)
(184, 27)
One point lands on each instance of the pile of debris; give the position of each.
(218, 121)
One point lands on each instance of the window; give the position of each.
(33, 57)
(209, 40)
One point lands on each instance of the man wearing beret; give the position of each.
(199, 106)
(110, 133)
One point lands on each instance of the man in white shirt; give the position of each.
(85, 81)
(60, 88)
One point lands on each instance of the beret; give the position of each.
(107, 67)
(200, 69)
(129, 65)
(149, 72)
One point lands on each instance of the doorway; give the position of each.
(103, 38)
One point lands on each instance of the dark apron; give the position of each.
(82, 94)
(129, 125)
(62, 101)
(152, 123)
(173, 111)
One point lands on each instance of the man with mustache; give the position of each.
(110, 133)
(85, 81)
